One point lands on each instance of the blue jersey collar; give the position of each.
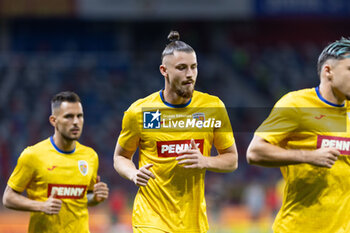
(58, 149)
(326, 101)
(173, 105)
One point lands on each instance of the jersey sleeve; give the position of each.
(130, 134)
(223, 136)
(282, 121)
(94, 174)
(23, 172)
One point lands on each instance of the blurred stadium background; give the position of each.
(250, 53)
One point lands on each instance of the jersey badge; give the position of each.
(83, 167)
(320, 117)
(51, 168)
(199, 116)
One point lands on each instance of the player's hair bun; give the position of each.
(173, 36)
(175, 44)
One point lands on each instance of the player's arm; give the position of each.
(124, 165)
(16, 201)
(225, 161)
(261, 152)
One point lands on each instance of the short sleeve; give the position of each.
(282, 121)
(94, 173)
(130, 134)
(223, 136)
(23, 172)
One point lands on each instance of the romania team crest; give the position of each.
(83, 167)
(199, 116)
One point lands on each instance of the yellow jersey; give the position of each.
(44, 168)
(173, 201)
(316, 199)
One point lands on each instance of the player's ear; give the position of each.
(162, 69)
(52, 120)
(327, 69)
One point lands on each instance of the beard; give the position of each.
(70, 138)
(66, 136)
(181, 90)
(184, 93)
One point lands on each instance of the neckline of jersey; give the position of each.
(326, 101)
(58, 149)
(173, 105)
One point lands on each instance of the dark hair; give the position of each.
(64, 96)
(337, 50)
(175, 45)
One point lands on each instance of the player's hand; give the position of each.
(142, 175)
(52, 205)
(101, 190)
(323, 157)
(192, 158)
